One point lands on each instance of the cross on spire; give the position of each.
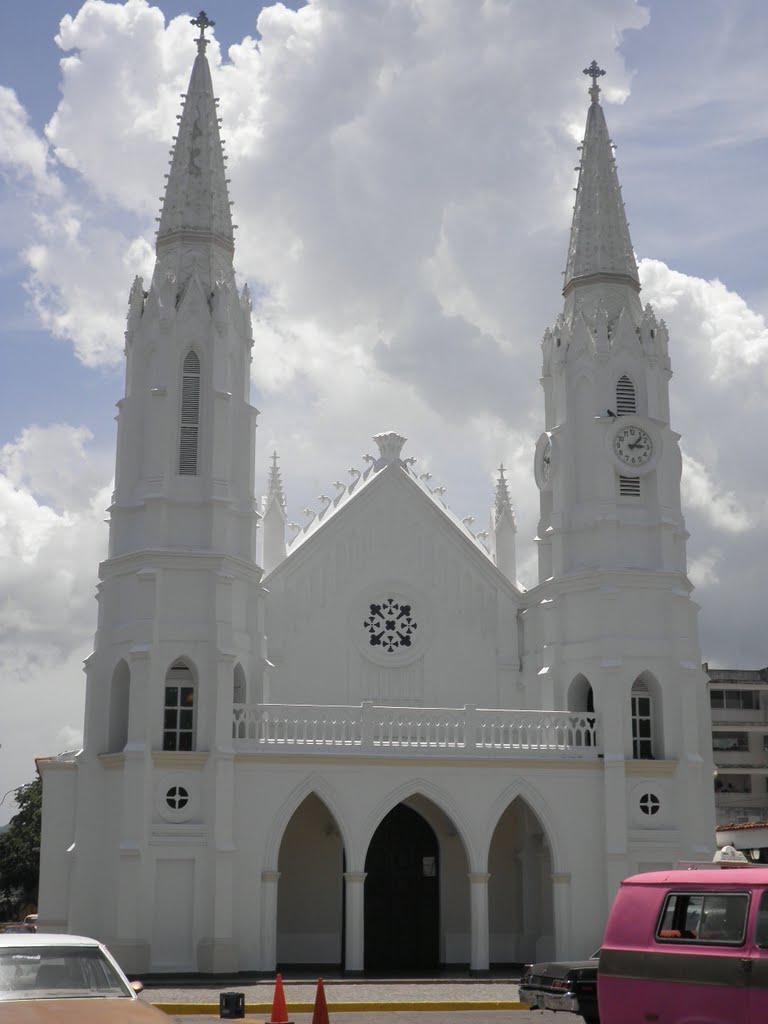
(594, 71)
(202, 21)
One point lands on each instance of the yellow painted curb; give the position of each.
(179, 1009)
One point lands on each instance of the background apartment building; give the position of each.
(739, 702)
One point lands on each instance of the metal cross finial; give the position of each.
(202, 21)
(594, 71)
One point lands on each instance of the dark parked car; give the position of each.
(570, 986)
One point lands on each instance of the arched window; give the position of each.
(119, 700)
(238, 685)
(190, 415)
(642, 721)
(626, 398)
(179, 708)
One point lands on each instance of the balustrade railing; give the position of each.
(376, 729)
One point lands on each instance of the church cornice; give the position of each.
(611, 580)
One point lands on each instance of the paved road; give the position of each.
(416, 1017)
(501, 990)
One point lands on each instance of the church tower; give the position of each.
(616, 633)
(180, 588)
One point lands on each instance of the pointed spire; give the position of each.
(503, 530)
(196, 198)
(600, 248)
(275, 493)
(274, 520)
(502, 505)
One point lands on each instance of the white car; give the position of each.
(66, 979)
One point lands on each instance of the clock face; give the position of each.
(542, 467)
(546, 461)
(633, 446)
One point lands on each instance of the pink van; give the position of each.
(687, 947)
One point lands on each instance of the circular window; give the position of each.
(650, 803)
(177, 797)
(390, 625)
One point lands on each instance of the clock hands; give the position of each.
(639, 443)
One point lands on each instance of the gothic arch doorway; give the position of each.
(310, 898)
(402, 894)
(520, 900)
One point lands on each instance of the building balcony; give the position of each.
(369, 729)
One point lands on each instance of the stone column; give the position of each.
(354, 953)
(530, 864)
(478, 911)
(269, 880)
(561, 911)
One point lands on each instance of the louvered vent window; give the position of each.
(629, 486)
(190, 415)
(626, 400)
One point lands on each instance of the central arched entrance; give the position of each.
(402, 894)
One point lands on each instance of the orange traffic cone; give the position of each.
(320, 1012)
(279, 1011)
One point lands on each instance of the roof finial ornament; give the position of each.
(594, 71)
(202, 21)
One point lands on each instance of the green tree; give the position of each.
(20, 852)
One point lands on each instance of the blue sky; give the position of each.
(402, 176)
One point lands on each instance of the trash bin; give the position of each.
(231, 1005)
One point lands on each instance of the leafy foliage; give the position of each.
(20, 852)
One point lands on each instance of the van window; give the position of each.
(706, 917)
(761, 928)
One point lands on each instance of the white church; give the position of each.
(377, 750)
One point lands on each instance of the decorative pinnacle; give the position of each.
(594, 71)
(275, 484)
(503, 502)
(390, 444)
(202, 21)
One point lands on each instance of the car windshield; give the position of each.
(58, 972)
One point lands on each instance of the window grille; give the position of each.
(190, 415)
(179, 710)
(642, 724)
(629, 486)
(626, 399)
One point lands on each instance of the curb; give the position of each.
(178, 1009)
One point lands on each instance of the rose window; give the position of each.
(390, 625)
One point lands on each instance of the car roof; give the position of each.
(43, 939)
(732, 878)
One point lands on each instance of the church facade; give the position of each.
(377, 749)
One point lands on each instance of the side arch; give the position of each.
(312, 784)
(522, 864)
(309, 922)
(523, 789)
